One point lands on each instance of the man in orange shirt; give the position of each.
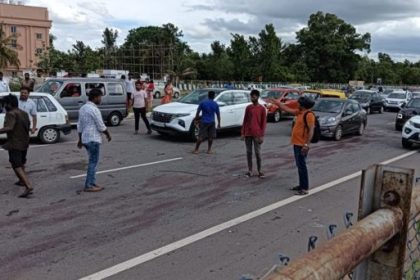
(301, 137)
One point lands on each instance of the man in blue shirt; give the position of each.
(208, 108)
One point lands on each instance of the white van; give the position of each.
(52, 119)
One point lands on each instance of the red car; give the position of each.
(288, 96)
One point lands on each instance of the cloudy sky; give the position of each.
(394, 25)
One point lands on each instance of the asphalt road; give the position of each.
(157, 193)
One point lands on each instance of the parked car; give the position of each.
(318, 93)
(52, 119)
(411, 132)
(411, 109)
(177, 118)
(397, 99)
(338, 117)
(370, 100)
(72, 93)
(159, 91)
(288, 96)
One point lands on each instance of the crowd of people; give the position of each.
(21, 113)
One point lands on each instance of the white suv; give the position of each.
(177, 118)
(411, 132)
(397, 99)
(52, 119)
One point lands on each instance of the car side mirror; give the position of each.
(347, 113)
(221, 104)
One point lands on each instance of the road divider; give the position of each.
(126, 265)
(129, 167)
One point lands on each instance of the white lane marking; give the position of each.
(218, 228)
(128, 167)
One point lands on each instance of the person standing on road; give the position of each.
(302, 133)
(253, 130)
(16, 125)
(4, 85)
(129, 88)
(90, 128)
(169, 91)
(149, 91)
(139, 101)
(28, 82)
(28, 105)
(207, 124)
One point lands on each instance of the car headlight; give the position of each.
(328, 121)
(411, 123)
(399, 116)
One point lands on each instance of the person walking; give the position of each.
(4, 85)
(149, 90)
(169, 91)
(207, 124)
(28, 82)
(302, 133)
(253, 130)
(28, 105)
(139, 101)
(16, 125)
(90, 127)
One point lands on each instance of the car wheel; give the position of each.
(361, 129)
(338, 133)
(381, 110)
(406, 144)
(176, 95)
(157, 94)
(194, 130)
(114, 119)
(49, 135)
(277, 116)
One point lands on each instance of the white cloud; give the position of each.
(202, 24)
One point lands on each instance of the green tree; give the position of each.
(85, 59)
(270, 55)
(109, 40)
(329, 48)
(240, 55)
(385, 69)
(8, 49)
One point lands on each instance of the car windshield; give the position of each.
(328, 106)
(196, 96)
(270, 94)
(414, 103)
(397, 95)
(293, 96)
(50, 86)
(361, 97)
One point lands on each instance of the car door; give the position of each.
(241, 100)
(43, 117)
(227, 113)
(348, 118)
(376, 101)
(70, 100)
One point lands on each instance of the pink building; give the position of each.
(32, 27)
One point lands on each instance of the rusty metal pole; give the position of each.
(340, 255)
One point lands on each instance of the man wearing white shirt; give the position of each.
(90, 128)
(4, 85)
(29, 106)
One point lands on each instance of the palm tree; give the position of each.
(8, 53)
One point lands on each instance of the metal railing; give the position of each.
(383, 244)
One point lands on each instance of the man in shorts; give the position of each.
(16, 125)
(209, 108)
